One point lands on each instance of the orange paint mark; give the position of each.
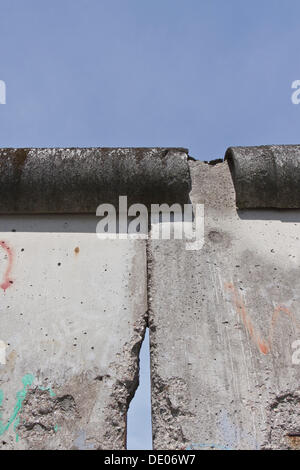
(294, 441)
(7, 282)
(264, 345)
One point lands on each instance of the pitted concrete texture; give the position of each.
(62, 181)
(73, 316)
(223, 322)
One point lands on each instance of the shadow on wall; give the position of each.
(72, 223)
(48, 223)
(287, 216)
(87, 223)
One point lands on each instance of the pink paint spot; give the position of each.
(7, 282)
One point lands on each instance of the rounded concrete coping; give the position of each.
(266, 176)
(77, 180)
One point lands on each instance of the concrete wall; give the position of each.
(73, 313)
(223, 320)
(73, 307)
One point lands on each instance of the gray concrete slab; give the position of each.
(73, 316)
(223, 326)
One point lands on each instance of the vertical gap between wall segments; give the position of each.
(139, 410)
(139, 425)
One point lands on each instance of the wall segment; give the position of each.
(223, 320)
(73, 316)
(73, 307)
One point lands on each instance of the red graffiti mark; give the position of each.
(264, 345)
(7, 282)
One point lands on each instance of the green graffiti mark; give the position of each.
(21, 395)
(48, 389)
(27, 381)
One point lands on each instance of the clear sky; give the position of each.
(201, 74)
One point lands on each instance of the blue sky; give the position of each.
(193, 73)
(201, 74)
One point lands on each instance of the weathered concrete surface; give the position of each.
(222, 323)
(73, 315)
(78, 180)
(266, 177)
